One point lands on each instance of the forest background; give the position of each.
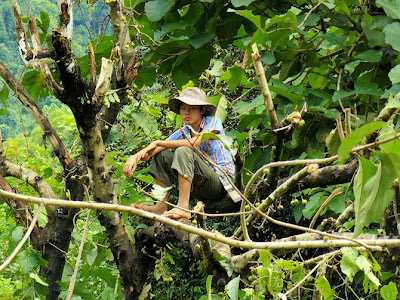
(331, 70)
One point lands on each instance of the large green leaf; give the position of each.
(156, 9)
(356, 137)
(391, 7)
(324, 288)
(394, 74)
(377, 191)
(348, 263)
(238, 3)
(256, 20)
(365, 171)
(366, 267)
(392, 35)
(233, 288)
(389, 292)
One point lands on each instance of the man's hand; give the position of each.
(144, 154)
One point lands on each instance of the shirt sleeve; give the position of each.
(214, 124)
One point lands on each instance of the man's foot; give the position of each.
(177, 213)
(158, 209)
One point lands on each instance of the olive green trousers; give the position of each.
(167, 164)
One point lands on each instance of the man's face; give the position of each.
(191, 114)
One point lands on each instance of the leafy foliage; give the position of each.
(336, 57)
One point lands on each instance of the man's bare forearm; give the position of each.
(196, 141)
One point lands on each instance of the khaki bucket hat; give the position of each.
(192, 96)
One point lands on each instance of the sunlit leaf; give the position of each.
(232, 288)
(324, 288)
(394, 74)
(377, 191)
(391, 7)
(348, 263)
(156, 9)
(238, 3)
(356, 137)
(365, 266)
(389, 291)
(392, 35)
(38, 279)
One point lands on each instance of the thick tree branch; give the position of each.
(29, 56)
(51, 83)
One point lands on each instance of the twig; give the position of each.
(344, 215)
(274, 195)
(396, 215)
(347, 123)
(24, 239)
(258, 66)
(78, 259)
(308, 15)
(311, 272)
(339, 126)
(377, 244)
(336, 192)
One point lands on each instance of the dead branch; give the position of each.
(92, 67)
(66, 18)
(51, 83)
(264, 87)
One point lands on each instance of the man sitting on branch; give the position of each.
(183, 166)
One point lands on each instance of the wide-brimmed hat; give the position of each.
(192, 96)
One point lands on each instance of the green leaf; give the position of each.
(146, 76)
(348, 263)
(156, 9)
(208, 285)
(238, 3)
(222, 108)
(160, 192)
(38, 279)
(145, 121)
(378, 192)
(91, 256)
(365, 171)
(45, 20)
(256, 20)
(28, 261)
(4, 95)
(232, 288)
(356, 137)
(324, 288)
(17, 233)
(394, 74)
(389, 291)
(105, 274)
(216, 69)
(200, 39)
(370, 56)
(223, 261)
(365, 266)
(392, 35)
(391, 7)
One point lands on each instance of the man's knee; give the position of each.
(184, 151)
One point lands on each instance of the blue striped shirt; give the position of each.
(214, 148)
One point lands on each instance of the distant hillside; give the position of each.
(86, 27)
